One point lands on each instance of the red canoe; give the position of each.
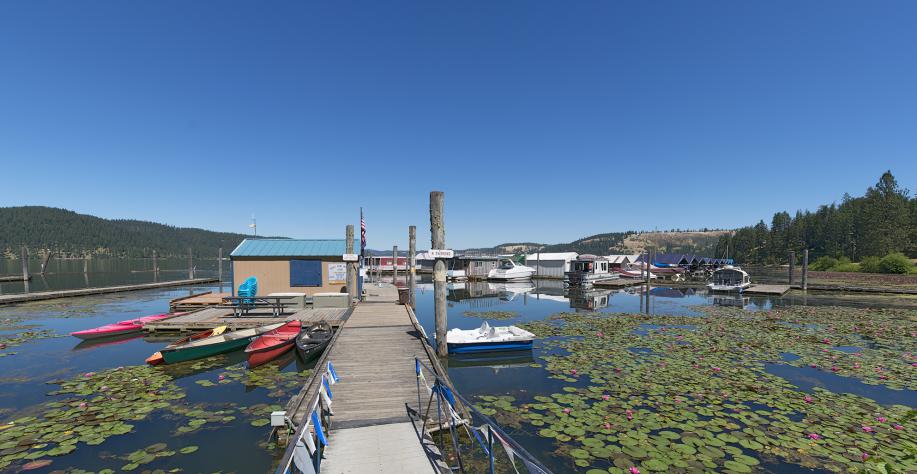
(120, 328)
(272, 344)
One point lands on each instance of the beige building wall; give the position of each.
(274, 276)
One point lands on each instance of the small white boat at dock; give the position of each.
(588, 269)
(508, 270)
(729, 278)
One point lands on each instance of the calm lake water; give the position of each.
(67, 274)
(226, 399)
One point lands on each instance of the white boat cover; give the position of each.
(488, 333)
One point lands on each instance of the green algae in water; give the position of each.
(701, 399)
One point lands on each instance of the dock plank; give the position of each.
(210, 318)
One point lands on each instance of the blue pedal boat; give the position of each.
(489, 339)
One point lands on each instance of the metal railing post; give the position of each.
(490, 448)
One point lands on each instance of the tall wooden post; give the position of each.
(792, 259)
(86, 263)
(155, 263)
(351, 277)
(805, 270)
(395, 265)
(412, 250)
(438, 241)
(25, 264)
(220, 264)
(190, 264)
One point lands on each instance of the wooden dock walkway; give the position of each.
(374, 358)
(47, 295)
(210, 318)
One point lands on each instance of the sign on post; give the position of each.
(351, 257)
(437, 253)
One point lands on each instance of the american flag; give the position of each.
(362, 233)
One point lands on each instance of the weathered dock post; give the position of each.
(351, 272)
(85, 263)
(395, 265)
(155, 264)
(805, 270)
(438, 241)
(220, 264)
(412, 267)
(190, 264)
(25, 264)
(44, 264)
(792, 260)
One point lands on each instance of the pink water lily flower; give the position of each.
(898, 427)
(814, 436)
(717, 369)
(826, 341)
(634, 470)
(605, 397)
(600, 334)
(807, 399)
(867, 429)
(881, 419)
(607, 426)
(834, 368)
(566, 411)
(221, 377)
(83, 405)
(864, 456)
(914, 364)
(573, 371)
(813, 366)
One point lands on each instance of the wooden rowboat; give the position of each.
(213, 345)
(272, 344)
(312, 341)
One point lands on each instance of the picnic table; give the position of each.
(241, 305)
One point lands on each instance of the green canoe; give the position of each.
(215, 345)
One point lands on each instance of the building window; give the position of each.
(305, 273)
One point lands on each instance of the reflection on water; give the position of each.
(807, 378)
(67, 274)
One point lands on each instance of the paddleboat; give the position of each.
(489, 339)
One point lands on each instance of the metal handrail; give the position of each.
(531, 462)
(321, 400)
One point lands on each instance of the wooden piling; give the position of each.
(351, 271)
(155, 264)
(792, 260)
(395, 265)
(805, 270)
(190, 264)
(44, 264)
(25, 264)
(220, 264)
(412, 270)
(438, 241)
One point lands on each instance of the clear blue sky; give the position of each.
(544, 121)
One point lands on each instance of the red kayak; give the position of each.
(273, 344)
(120, 328)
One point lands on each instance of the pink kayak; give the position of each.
(120, 328)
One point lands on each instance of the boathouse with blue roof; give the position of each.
(302, 266)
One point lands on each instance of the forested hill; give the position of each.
(880, 222)
(75, 234)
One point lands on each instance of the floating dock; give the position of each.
(198, 301)
(759, 289)
(48, 295)
(209, 318)
(618, 283)
(373, 354)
